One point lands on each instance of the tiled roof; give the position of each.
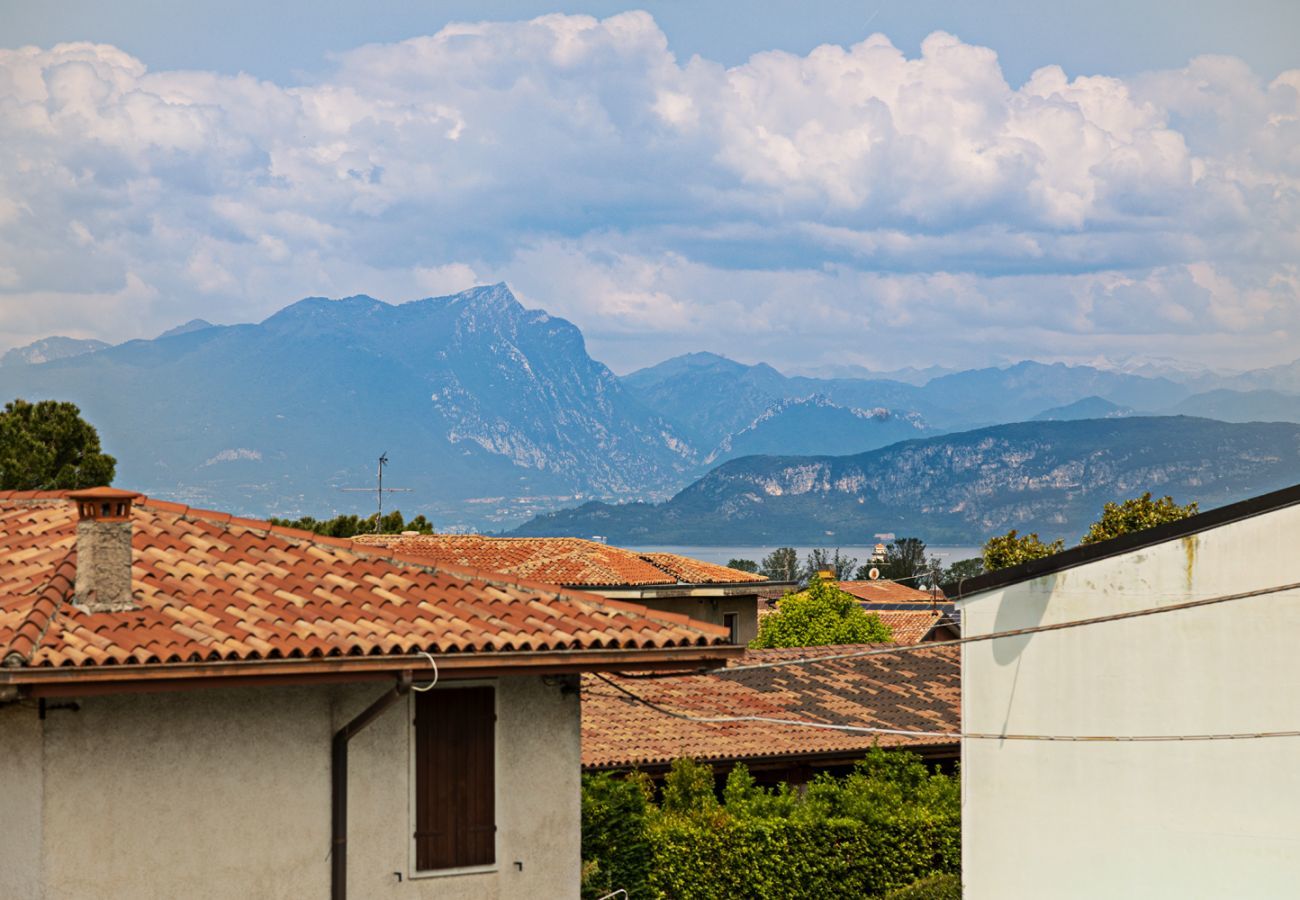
(569, 561)
(919, 690)
(887, 592)
(695, 571)
(210, 587)
(909, 626)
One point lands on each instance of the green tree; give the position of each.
(821, 615)
(743, 565)
(347, 526)
(820, 559)
(782, 564)
(962, 569)
(1137, 514)
(48, 446)
(1011, 549)
(616, 850)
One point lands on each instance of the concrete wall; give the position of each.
(21, 786)
(226, 793)
(1159, 819)
(712, 610)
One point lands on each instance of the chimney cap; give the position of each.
(107, 504)
(103, 493)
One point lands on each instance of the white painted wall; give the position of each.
(226, 793)
(1103, 819)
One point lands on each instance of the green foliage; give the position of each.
(743, 565)
(822, 559)
(351, 526)
(688, 790)
(48, 446)
(782, 564)
(616, 850)
(821, 615)
(1011, 549)
(1137, 514)
(885, 826)
(962, 568)
(905, 558)
(937, 887)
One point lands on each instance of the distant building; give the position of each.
(1133, 758)
(703, 591)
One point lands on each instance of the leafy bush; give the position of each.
(821, 615)
(1011, 549)
(886, 825)
(936, 887)
(1136, 514)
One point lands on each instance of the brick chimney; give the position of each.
(104, 549)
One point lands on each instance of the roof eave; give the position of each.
(82, 681)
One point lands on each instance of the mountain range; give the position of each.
(492, 413)
(1052, 477)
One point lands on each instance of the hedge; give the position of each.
(885, 826)
(936, 887)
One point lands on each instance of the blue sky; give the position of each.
(872, 183)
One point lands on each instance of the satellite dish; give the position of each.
(873, 574)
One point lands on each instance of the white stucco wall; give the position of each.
(1163, 819)
(226, 793)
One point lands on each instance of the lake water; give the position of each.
(720, 555)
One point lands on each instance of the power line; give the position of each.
(1018, 632)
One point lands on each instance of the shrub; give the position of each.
(884, 826)
(821, 615)
(936, 887)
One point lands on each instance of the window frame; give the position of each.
(412, 872)
(731, 621)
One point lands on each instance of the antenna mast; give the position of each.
(378, 491)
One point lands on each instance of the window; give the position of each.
(732, 623)
(455, 791)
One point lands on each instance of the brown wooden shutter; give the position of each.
(455, 799)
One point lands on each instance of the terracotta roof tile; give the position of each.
(883, 591)
(910, 626)
(569, 561)
(215, 587)
(915, 691)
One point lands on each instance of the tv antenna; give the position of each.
(379, 490)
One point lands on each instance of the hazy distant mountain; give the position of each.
(1275, 378)
(1087, 408)
(1050, 477)
(907, 374)
(488, 410)
(190, 326)
(48, 349)
(712, 397)
(816, 425)
(1015, 393)
(1242, 406)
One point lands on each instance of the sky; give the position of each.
(876, 184)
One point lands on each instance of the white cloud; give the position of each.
(793, 202)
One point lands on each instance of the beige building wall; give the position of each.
(1184, 819)
(226, 793)
(712, 610)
